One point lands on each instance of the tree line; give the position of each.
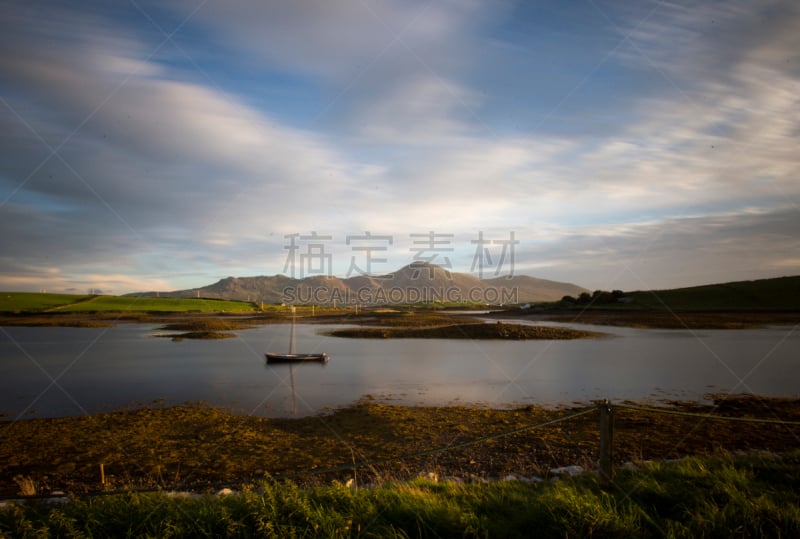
(598, 297)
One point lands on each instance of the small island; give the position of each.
(203, 329)
(207, 335)
(468, 330)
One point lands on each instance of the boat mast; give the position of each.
(291, 334)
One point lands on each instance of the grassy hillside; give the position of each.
(19, 302)
(782, 293)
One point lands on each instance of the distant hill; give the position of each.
(414, 283)
(781, 293)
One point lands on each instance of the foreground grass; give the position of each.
(720, 496)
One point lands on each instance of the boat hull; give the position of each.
(296, 358)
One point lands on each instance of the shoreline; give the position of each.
(642, 319)
(166, 447)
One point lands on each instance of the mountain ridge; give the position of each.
(413, 283)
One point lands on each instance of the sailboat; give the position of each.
(293, 357)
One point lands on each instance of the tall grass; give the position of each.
(720, 496)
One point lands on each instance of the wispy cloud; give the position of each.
(669, 137)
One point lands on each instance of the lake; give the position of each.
(52, 371)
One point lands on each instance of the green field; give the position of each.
(22, 302)
(35, 302)
(722, 496)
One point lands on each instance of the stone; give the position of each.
(567, 470)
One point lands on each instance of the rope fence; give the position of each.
(706, 416)
(605, 463)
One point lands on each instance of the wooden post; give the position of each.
(606, 467)
(102, 475)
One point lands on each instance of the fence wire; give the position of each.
(706, 416)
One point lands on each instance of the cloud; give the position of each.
(670, 253)
(714, 39)
(424, 111)
(151, 165)
(336, 42)
(148, 145)
(172, 174)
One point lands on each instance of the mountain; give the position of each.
(414, 283)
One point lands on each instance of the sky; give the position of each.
(162, 145)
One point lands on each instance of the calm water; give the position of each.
(47, 372)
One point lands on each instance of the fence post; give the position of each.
(606, 467)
